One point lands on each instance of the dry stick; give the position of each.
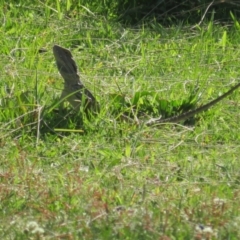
(73, 89)
(198, 24)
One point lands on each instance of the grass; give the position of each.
(113, 179)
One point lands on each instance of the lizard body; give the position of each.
(74, 89)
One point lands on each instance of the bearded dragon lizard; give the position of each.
(74, 91)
